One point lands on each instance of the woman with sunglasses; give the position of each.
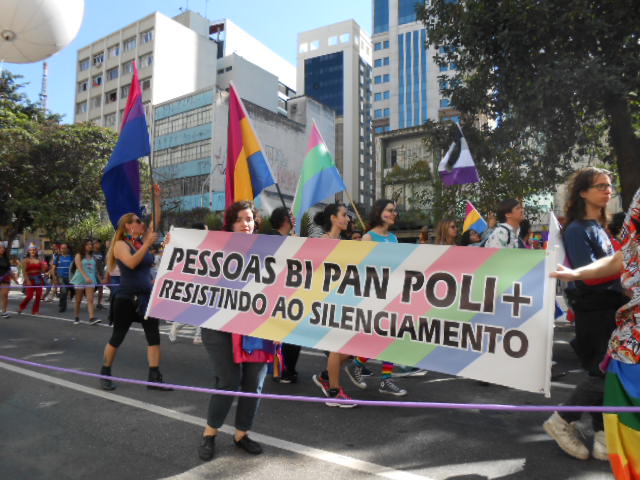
(129, 250)
(446, 232)
(85, 279)
(33, 269)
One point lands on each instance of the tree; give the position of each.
(563, 73)
(49, 173)
(508, 168)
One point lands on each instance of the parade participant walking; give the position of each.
(85, 279)
(62, 266)
(238, 362)
(281, 225)
(333, 220)
(594, 302)
(470, 238)
(506, 234)
(131, 298)
(383, 216)
(6, 275)
(33, 268)
(98, 255)
(446, 232)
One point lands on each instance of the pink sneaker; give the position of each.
(322, 383)
(340, 396)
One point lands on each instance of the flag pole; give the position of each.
(356, 210)
(285, 206)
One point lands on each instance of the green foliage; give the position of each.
(214, 221)
(561, 76)
(49, 173)
(90, 227)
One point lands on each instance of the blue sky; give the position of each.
(275, 23)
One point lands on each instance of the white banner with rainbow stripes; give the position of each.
(479, 313)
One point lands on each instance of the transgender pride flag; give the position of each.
(121, 176)
(319, 178)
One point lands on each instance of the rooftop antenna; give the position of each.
(44, 88)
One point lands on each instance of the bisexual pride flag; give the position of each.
(248, 171)
(121, 177)
(622, 388)
(473, 220)
(319, 178)
(457, 167)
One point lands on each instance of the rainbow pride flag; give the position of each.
(473, 220)
(622, 388)
(248, 171)
(319, 178)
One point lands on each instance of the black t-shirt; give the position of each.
(5, 266)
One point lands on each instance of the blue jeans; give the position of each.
(228, 375)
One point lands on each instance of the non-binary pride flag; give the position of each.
(457, 167)
(248, 172)
(319, 178)
(622, 388)
(473, 220)
(121, 177)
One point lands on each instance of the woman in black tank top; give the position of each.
(132, 296)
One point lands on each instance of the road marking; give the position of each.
(40, 355)
(297, 448)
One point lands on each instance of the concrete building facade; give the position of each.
(334, 67)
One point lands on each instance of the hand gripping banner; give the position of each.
(479, 313)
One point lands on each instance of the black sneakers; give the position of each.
(248, 445)
(206, 450)
(105, 383)
(156, 377)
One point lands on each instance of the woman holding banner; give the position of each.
(383, 216)
(334, 220)
(130, 303)
(239, 362)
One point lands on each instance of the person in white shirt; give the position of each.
(506, 234)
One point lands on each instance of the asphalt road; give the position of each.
(62, 426)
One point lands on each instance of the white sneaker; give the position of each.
(566, 436)
(172, 332)
(599, 450)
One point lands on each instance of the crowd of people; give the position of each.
(240, 362)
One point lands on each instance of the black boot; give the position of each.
(105, 383)
(156, 377)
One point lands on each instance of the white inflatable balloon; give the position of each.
(32, 30)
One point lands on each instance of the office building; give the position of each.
(334, 67)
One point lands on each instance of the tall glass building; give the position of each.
(406, 89)
(334, 68)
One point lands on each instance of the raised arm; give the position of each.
(604, 267)
(122, 252)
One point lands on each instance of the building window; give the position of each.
(96, 101)
(96, 81)
(83, 85)
(386, 112)
(386, 78)
(113, 51)
(146, 83)
(220, 71)
(112, 73)
(377, 79)
(124, 91)
(110, 97)
(407, 11)
(83, 64)
(444, 68)
(380, 16)
(385, 95)
(444, 102)
(129, 44)
(344, 38)
(303, 48)
(81, 107)
(314, 45)
(146, 37)
(228, 69)
(377, 97)
(333, 41)
(127, 67)
(98, 58)
(377, 113)
(377, 62)
(146, 60)
(110, 120)
(324, 80)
